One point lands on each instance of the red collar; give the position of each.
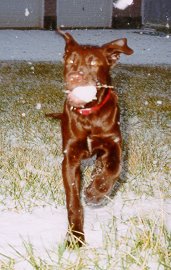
(88, 111)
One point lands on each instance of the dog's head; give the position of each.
(87, 66)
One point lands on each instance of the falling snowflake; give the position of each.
(154, 162)
(167, 25)
(38, 106)
(27, 13)
(32, 69)
(159, 102)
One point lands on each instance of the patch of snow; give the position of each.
(46, 227)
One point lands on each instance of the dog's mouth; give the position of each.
(81, 95)
(81, 88)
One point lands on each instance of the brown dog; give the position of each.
(90, 124)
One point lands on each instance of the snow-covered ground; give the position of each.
(45, 228)
(36, 45)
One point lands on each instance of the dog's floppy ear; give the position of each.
(112, 50)
(68, 38)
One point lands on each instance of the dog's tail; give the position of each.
(55, 115)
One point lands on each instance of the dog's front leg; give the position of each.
(73, 153)
(108, 168)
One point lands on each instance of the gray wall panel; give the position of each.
(21, 13)
(156, 12)
(84, 13)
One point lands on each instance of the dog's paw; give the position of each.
(94, 203)
(74, 240)
(98, 193)
(95, 197)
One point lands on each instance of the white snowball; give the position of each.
(85, 93)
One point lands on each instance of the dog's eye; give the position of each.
(93, 63)
(91, 60)
(73, 58)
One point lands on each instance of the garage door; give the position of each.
(21, 13)
(157, 12)
(84, 13)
